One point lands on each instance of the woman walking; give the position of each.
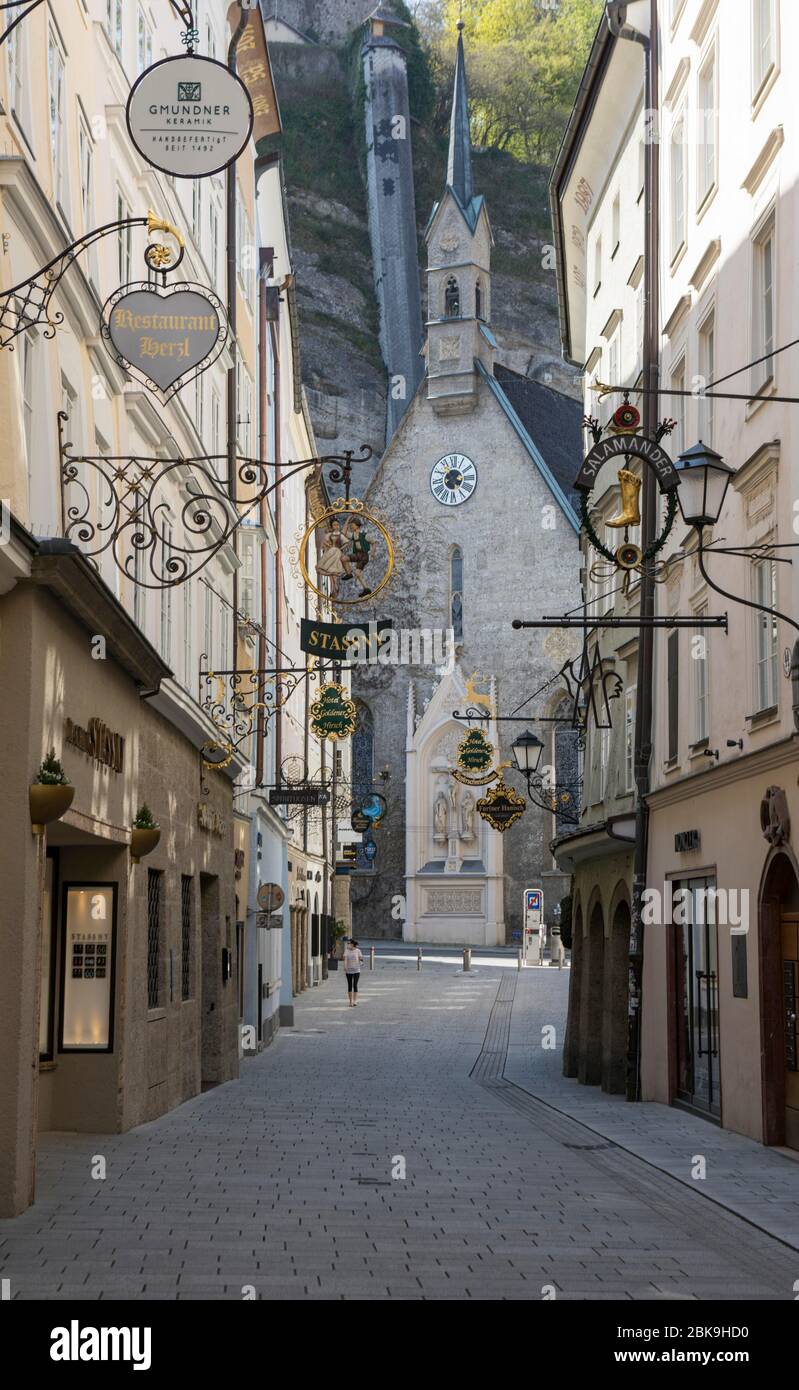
(353, 960)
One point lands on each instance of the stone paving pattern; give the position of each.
(283, 1182)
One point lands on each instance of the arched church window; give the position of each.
(568, 771)
(478, 300)
(456, 592)
(452, 299)
(363, 751)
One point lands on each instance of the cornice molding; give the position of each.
(770, 149)
(785, 751)
(703, 19)
(677, 315)
(706, 261)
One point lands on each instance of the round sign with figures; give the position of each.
(453, 480)
(189, 116)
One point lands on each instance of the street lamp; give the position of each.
(527, 750)
(704, 479)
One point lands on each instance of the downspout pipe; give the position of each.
(616, 12)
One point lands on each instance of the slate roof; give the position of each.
(552, 420)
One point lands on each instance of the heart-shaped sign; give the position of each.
(164, 339)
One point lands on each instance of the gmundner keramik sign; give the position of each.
(189, 116)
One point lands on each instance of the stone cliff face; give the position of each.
(323, 119)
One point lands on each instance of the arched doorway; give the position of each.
(571, 1045)
(591, 1001)
(778, 936)
(614, 1004)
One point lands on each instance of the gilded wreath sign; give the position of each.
(355, 554)
(333, 713)
(501, 807)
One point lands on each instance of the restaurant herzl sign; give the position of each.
(189, 116)
(98, 741)
(164, 338)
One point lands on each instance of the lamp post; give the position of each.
(527, 749)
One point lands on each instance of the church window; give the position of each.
(363, 741)
(456, 592)
(478, 301)
(568, 773)
(452, 299)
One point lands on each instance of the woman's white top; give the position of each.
(353, 960)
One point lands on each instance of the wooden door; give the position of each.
(789, 923)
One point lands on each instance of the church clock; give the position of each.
(453, 479)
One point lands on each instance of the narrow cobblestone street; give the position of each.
(282, 1182)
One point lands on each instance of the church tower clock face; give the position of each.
(453, 479)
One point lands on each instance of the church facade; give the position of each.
(475, 488)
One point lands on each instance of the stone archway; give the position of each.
(591, 1000)
(615, 994)
(571, 1044)
(778, 937)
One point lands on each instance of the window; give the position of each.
(144, 43)
(478, 300)
(166, 596)
(49, 899)
(87, 968)
(216, 418)
(29, 355)
(616, 225)
(225, 655)
(673, 690)
(629, 739)
(765, 637)
(764, 41)
(597, 266)
(707, 367)
(707, 129)
(699, 654)
(249, 587)
(763, 309)
(153, 939)
(452, 299)
(114, 24)
(18, 86)
(208, 626)
(245, 249)
(604, 762)
(213, 248)
(139, 592)
(188, 635)
(58, 117)
(186, 925)
(456, 592)
(197, 210)
(199, 407)
(125, 248)
(677, 185)
(639, 323)
(641, 169)
(677, 409)
(86, 153)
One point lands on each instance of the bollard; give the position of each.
(467, 959)
(556, 947)
(518, 960)
(418, 958)
(371, 957)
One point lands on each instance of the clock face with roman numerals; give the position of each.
(453, 479)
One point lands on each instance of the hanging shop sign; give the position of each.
(501, 807)
(164, 338)
(189, 116)
(336, 639)
(333, 713)
(346, 554)
(360, 821)
(475, 756)
(255, 70)
(98, 742)
(299, 796)
(627, 444)
(270, 897)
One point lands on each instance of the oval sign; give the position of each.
(271, 897)
(189, 116)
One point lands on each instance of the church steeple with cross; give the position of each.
(459, 245)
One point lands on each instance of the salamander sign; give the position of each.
(189, 116)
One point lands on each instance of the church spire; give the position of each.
(459, 165)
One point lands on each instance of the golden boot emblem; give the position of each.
(630, 514)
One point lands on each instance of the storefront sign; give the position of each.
(255, 70)
(98, 742)
(189, 116)
(163, 337)
(623, 444)
(270, 897)
(299, 796)
(686, 840)
(210, 820)
(501, 807)
(335, 639)
(332, 713)
(87, 995)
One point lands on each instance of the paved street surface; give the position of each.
(282, 1182)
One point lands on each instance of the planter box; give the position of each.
(142, 842)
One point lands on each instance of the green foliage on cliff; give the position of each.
(525, 59)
